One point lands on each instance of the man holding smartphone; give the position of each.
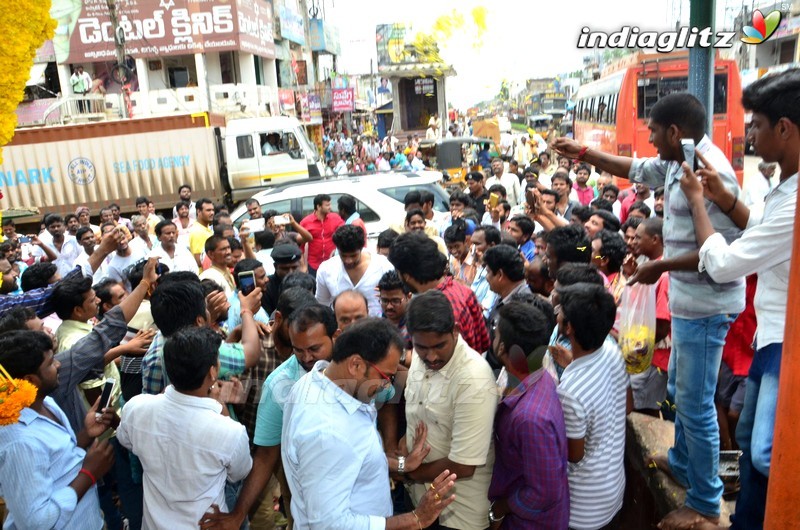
(247, 274)
(702, 309)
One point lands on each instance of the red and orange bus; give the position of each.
(611, 113)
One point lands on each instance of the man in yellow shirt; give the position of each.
(202, 229)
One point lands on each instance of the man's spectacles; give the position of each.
(389, 379)
(391, 301)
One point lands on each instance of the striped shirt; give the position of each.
(593, 395)
(693, 295)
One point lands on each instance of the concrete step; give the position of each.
(646, 436)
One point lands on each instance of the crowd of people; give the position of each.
(462, 372)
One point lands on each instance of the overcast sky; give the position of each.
(524, 39)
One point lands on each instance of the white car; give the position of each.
(379, 197)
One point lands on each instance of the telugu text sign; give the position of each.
(343, 100)
(154, 28)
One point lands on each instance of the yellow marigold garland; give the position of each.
(15, 395)
(25, 26)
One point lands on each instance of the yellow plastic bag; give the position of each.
(637, 335)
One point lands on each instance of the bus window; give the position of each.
(612, 109)
(650, 90)
(602, 108)
(721, 94)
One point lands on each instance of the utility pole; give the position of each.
(701, 60)
(120, 73)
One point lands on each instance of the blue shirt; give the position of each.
(528, 249)
(235, 312)
(274, 393)
(486, 297)
(333, 458)
(39, 458)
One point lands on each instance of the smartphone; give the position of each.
(24, 239)
(282, 219)
(247, 282)
(256, 225)
(687, 144)
(494, 199)
(105, 398)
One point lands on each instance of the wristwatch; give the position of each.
(401, 464)
(492, 518)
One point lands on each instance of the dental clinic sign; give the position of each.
(156, 28)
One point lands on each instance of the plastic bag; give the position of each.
(637, 334)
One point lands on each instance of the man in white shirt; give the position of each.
(765, 248)
(65, 246)
(594, 392)
(187, 448)
(383, 163)
(508, 181)
(124, 257)
(218, 249)
(174, 256)
(759, 186)
(341, 167)
(353, 267)
(332, 453)
(185, 194)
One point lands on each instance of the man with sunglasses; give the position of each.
(451, 389)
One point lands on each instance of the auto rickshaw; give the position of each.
(455, 157)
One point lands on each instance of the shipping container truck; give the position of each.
(59, 168)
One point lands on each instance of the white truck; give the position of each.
(59, 168)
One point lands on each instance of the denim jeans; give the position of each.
(754, 436)
(131, 494)
(693, 370)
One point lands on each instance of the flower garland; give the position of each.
(25, 26)
(15, 395)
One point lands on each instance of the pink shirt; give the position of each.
(585, 195)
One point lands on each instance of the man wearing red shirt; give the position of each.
(641, 193)
(421, 266)
(321, 224)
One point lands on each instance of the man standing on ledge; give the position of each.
(702, 309)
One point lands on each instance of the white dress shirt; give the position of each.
(332, 279)
(766, 248)
(333, 458)
(65, 262)
(183, 260)
(510, 183)
(188, 450)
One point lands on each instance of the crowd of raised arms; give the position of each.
(467, 370)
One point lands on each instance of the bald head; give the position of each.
(349, 306)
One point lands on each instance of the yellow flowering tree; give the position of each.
(25, 25)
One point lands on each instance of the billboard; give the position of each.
(323, 37)
(343, 99)
(397, 44)
(154, 28)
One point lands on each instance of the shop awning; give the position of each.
(37, 74)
